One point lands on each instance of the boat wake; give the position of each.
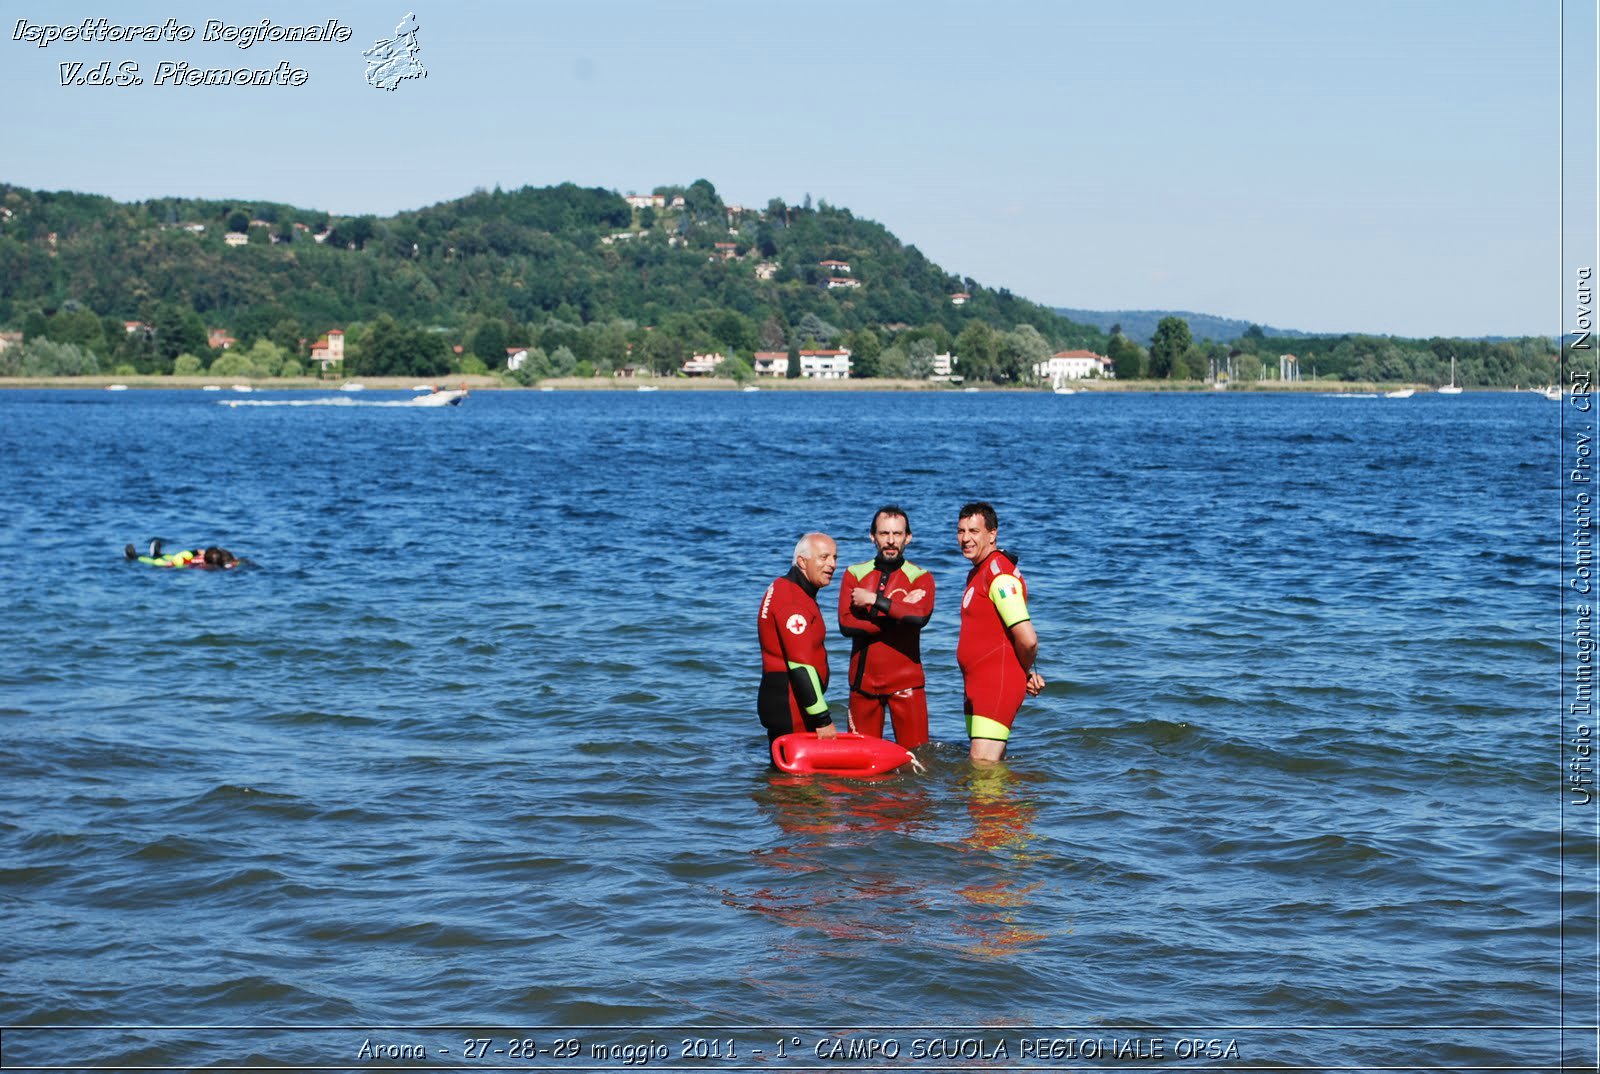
(436, 399)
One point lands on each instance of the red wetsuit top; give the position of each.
(996, 599)
(886, 640)
(794, 657)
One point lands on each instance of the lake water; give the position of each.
(470, 753)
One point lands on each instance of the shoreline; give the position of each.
(482, 382)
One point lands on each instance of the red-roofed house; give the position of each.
(834, 266)
(842, 281)
(219, 338)
(329, 350)
(959, 298)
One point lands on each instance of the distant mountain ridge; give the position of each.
(1140, 325)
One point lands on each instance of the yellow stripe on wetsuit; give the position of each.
(171, 559)
(983, 727)
(1006, 593)
(818, 706)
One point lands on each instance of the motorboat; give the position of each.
(439, 397)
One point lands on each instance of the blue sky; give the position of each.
(1377, 165)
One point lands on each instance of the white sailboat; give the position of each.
(1452, 388)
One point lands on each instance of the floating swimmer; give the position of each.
(211, 559)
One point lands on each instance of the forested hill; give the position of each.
(610, 281)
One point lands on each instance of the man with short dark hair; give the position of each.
(883, 605)
(998, 644)
(794, 656)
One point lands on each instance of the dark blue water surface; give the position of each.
(473, 744)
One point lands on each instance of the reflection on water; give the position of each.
(940, 861)
(1002, 824)
(830, 872)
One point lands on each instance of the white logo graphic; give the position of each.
(796, 624)
(391, 62)
(966, 600)
(916, 596)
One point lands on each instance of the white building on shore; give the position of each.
(770, 363)
(703, 365)
(825, 365)
(1073, 365)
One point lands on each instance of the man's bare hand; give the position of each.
(827, 730)
(1035, 683)
(861, 597)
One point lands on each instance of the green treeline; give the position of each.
(582, 280)
(1174, 355)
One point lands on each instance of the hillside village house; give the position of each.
(329, 350)
(1073, 365)
(218, 339)
(515, 356)
(236, 238)
(10, 339)
(959, 298)
(825, 365)
(834, 267)
(647, 201)
(842, 281)
(770, 363)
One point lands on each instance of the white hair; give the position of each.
(806, 547)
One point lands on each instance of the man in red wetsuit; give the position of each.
(883, 605)
(998, 644)
(794, 659)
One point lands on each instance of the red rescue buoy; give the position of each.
(849, 754)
